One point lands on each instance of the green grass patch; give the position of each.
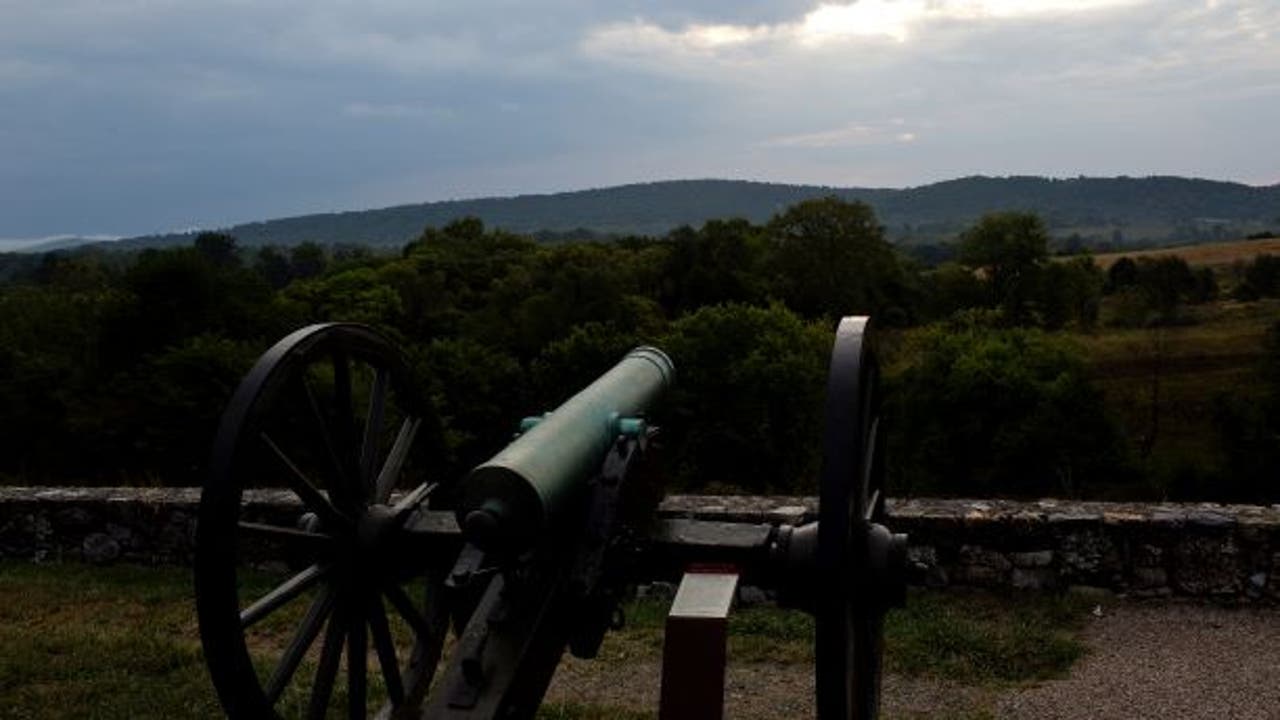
(756, 634)
(122, 642)
(965, 637)
(981, 638)
(116, 642)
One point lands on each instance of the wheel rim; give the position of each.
(329, 415)
(849, 613)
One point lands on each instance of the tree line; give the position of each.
(117, 371)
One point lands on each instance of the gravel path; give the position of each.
(1171, 661)
(758, 692)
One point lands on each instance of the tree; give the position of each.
(1205, 288)
(951, 287)
(176, 297)
(1248, 426)
(1122, 274)
(480, 394)
(72, 273)
(1166, 283)
(998, 411)
(720, 263)
(306, 260)
(1262, 276)
(1010, 248)
(272, 266)
(565, 365)
(1070, 293)
(746, 412)
(158, 416)
(832, 259)
(218, 248)
(356, 295)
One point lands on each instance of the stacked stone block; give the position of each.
(1227, 552)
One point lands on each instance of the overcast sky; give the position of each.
(122, 117)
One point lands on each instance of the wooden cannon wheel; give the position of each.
(330, 414)
(860, 564)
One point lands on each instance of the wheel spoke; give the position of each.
(404, 606)
(328, 669)
(283, 593)
(357, 663)
(386, 648)
(868, 468)
(349, 462)
(390, 472)
(303, 487)
(409, 503)
(373, 428)
(338, 482)
(302, 640)
(314, 542)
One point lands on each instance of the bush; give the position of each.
(745, 412)
(1261, 277)
(997, 411)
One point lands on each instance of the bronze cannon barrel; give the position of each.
(514, 497)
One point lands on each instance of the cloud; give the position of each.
(148, 114)
(849, 135)
(827, 24)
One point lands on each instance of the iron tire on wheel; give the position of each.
(850, 599)
(281, 431)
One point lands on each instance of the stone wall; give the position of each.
(1229, 552)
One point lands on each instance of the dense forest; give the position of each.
(114, 368)
(1093, 211)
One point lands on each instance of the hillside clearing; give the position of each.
(1214, 255)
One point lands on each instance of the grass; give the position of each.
(1219, 255)
(1164, 387)
(1223, 332)
(1186, 369)
(978, 638)
(116, 643)
(964, 637)
(122, 642)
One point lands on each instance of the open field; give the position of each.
(1165, 387)
(1165, 384)
(1215, 255)
(123, 642)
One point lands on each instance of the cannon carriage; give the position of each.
(529, 555)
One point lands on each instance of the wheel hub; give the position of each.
(375, 531)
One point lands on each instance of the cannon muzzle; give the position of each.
(515, 497)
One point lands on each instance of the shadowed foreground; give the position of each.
(1145, 660)
(1166, 661)
(122, 641)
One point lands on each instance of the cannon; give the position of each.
(342, 598)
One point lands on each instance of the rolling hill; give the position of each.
(1148, 210)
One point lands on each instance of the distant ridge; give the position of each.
(49, 244)
(1150, 208)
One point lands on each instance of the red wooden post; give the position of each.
(693, 650)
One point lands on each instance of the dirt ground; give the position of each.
(1168, 661)
(1165, 660)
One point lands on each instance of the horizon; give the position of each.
(127, 119)
(17, 244)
